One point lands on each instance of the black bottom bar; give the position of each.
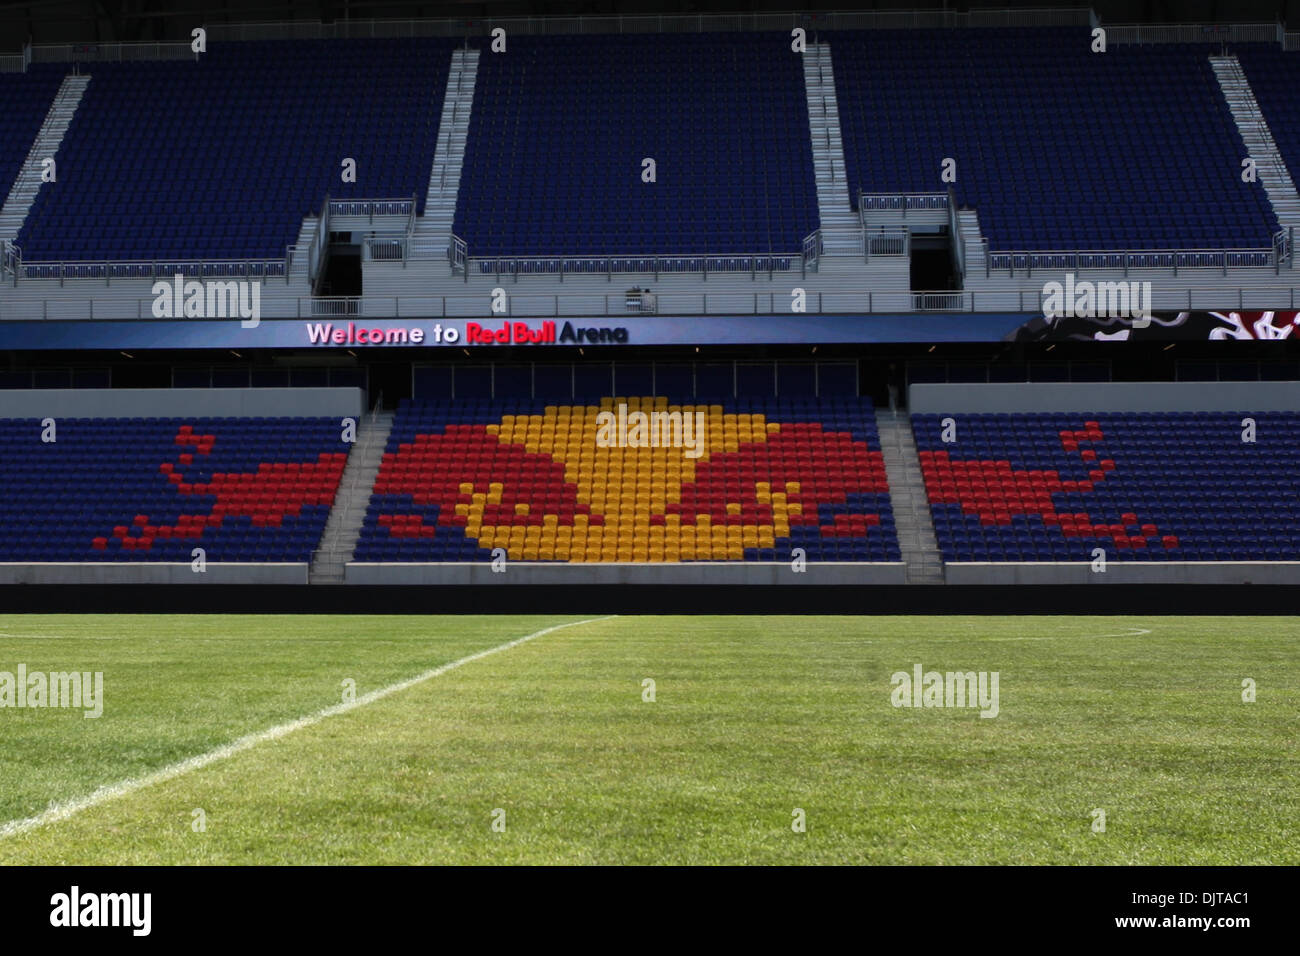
(651, 599)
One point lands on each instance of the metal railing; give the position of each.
(13, 63)
(609, 266)
(901, 202)
(1025, 262)
(670, 23)
(955, 234)
(955, 301)
(383, 248)
(812, 251)
(110, 269)
(10, 257)
(458, 255)
(370, 208)
(109, 52)
(592, 305)
(1133, 33)
(887, 241)
(319, 241)
(673, 23)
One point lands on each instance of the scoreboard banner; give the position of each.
(354, 332)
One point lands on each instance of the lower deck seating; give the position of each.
(1142, 486)
(556, 482)
(153, 489)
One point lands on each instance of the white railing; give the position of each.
(384, 248)
(109, 269)
(677, 263)
(1026, 262)
(812, 250)
(1126, 33)
(13, 63)
(9, 258)
(955, 301)
(458, 254)
(109, 52)
(370, 208)
(887, 241)
(1291, 41)
(901, 202)
(670, 23)
(590, 305)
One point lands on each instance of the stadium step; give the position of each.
(974, 258)
(1272, 171)
(339, 540)
(841, 231)
(916, 538)
(301, 252)
(434, 227)
(28, 182)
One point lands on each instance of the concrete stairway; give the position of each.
(841, 230)
(300, 264)
(972, 239)
(1272, 171)
(912, 516)
(339, 540)
(48, 139)
(433, 229)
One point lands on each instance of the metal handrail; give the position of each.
(669, 23)
(587, 305)
(887, 241)
(903, 201)
(955, 232)
(705, 263)
(1012, 261)
(107, 52)
(1136, 33)
(109, 269)
(371, 208)
(458, 253)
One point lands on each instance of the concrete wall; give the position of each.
(1124, 572)
(1104, 397)
(180, 402)
(151, 573)
(685, 574)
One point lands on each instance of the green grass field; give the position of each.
(752, 718)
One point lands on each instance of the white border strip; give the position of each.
(62, 811)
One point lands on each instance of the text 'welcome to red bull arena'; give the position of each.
(469, 310)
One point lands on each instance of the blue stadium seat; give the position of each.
(1057, 147)
(224, 157)
(561, 125)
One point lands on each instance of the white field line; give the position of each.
(1132, 632)
(62, 811)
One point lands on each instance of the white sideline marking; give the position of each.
(1132, 632)
(62, 811)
